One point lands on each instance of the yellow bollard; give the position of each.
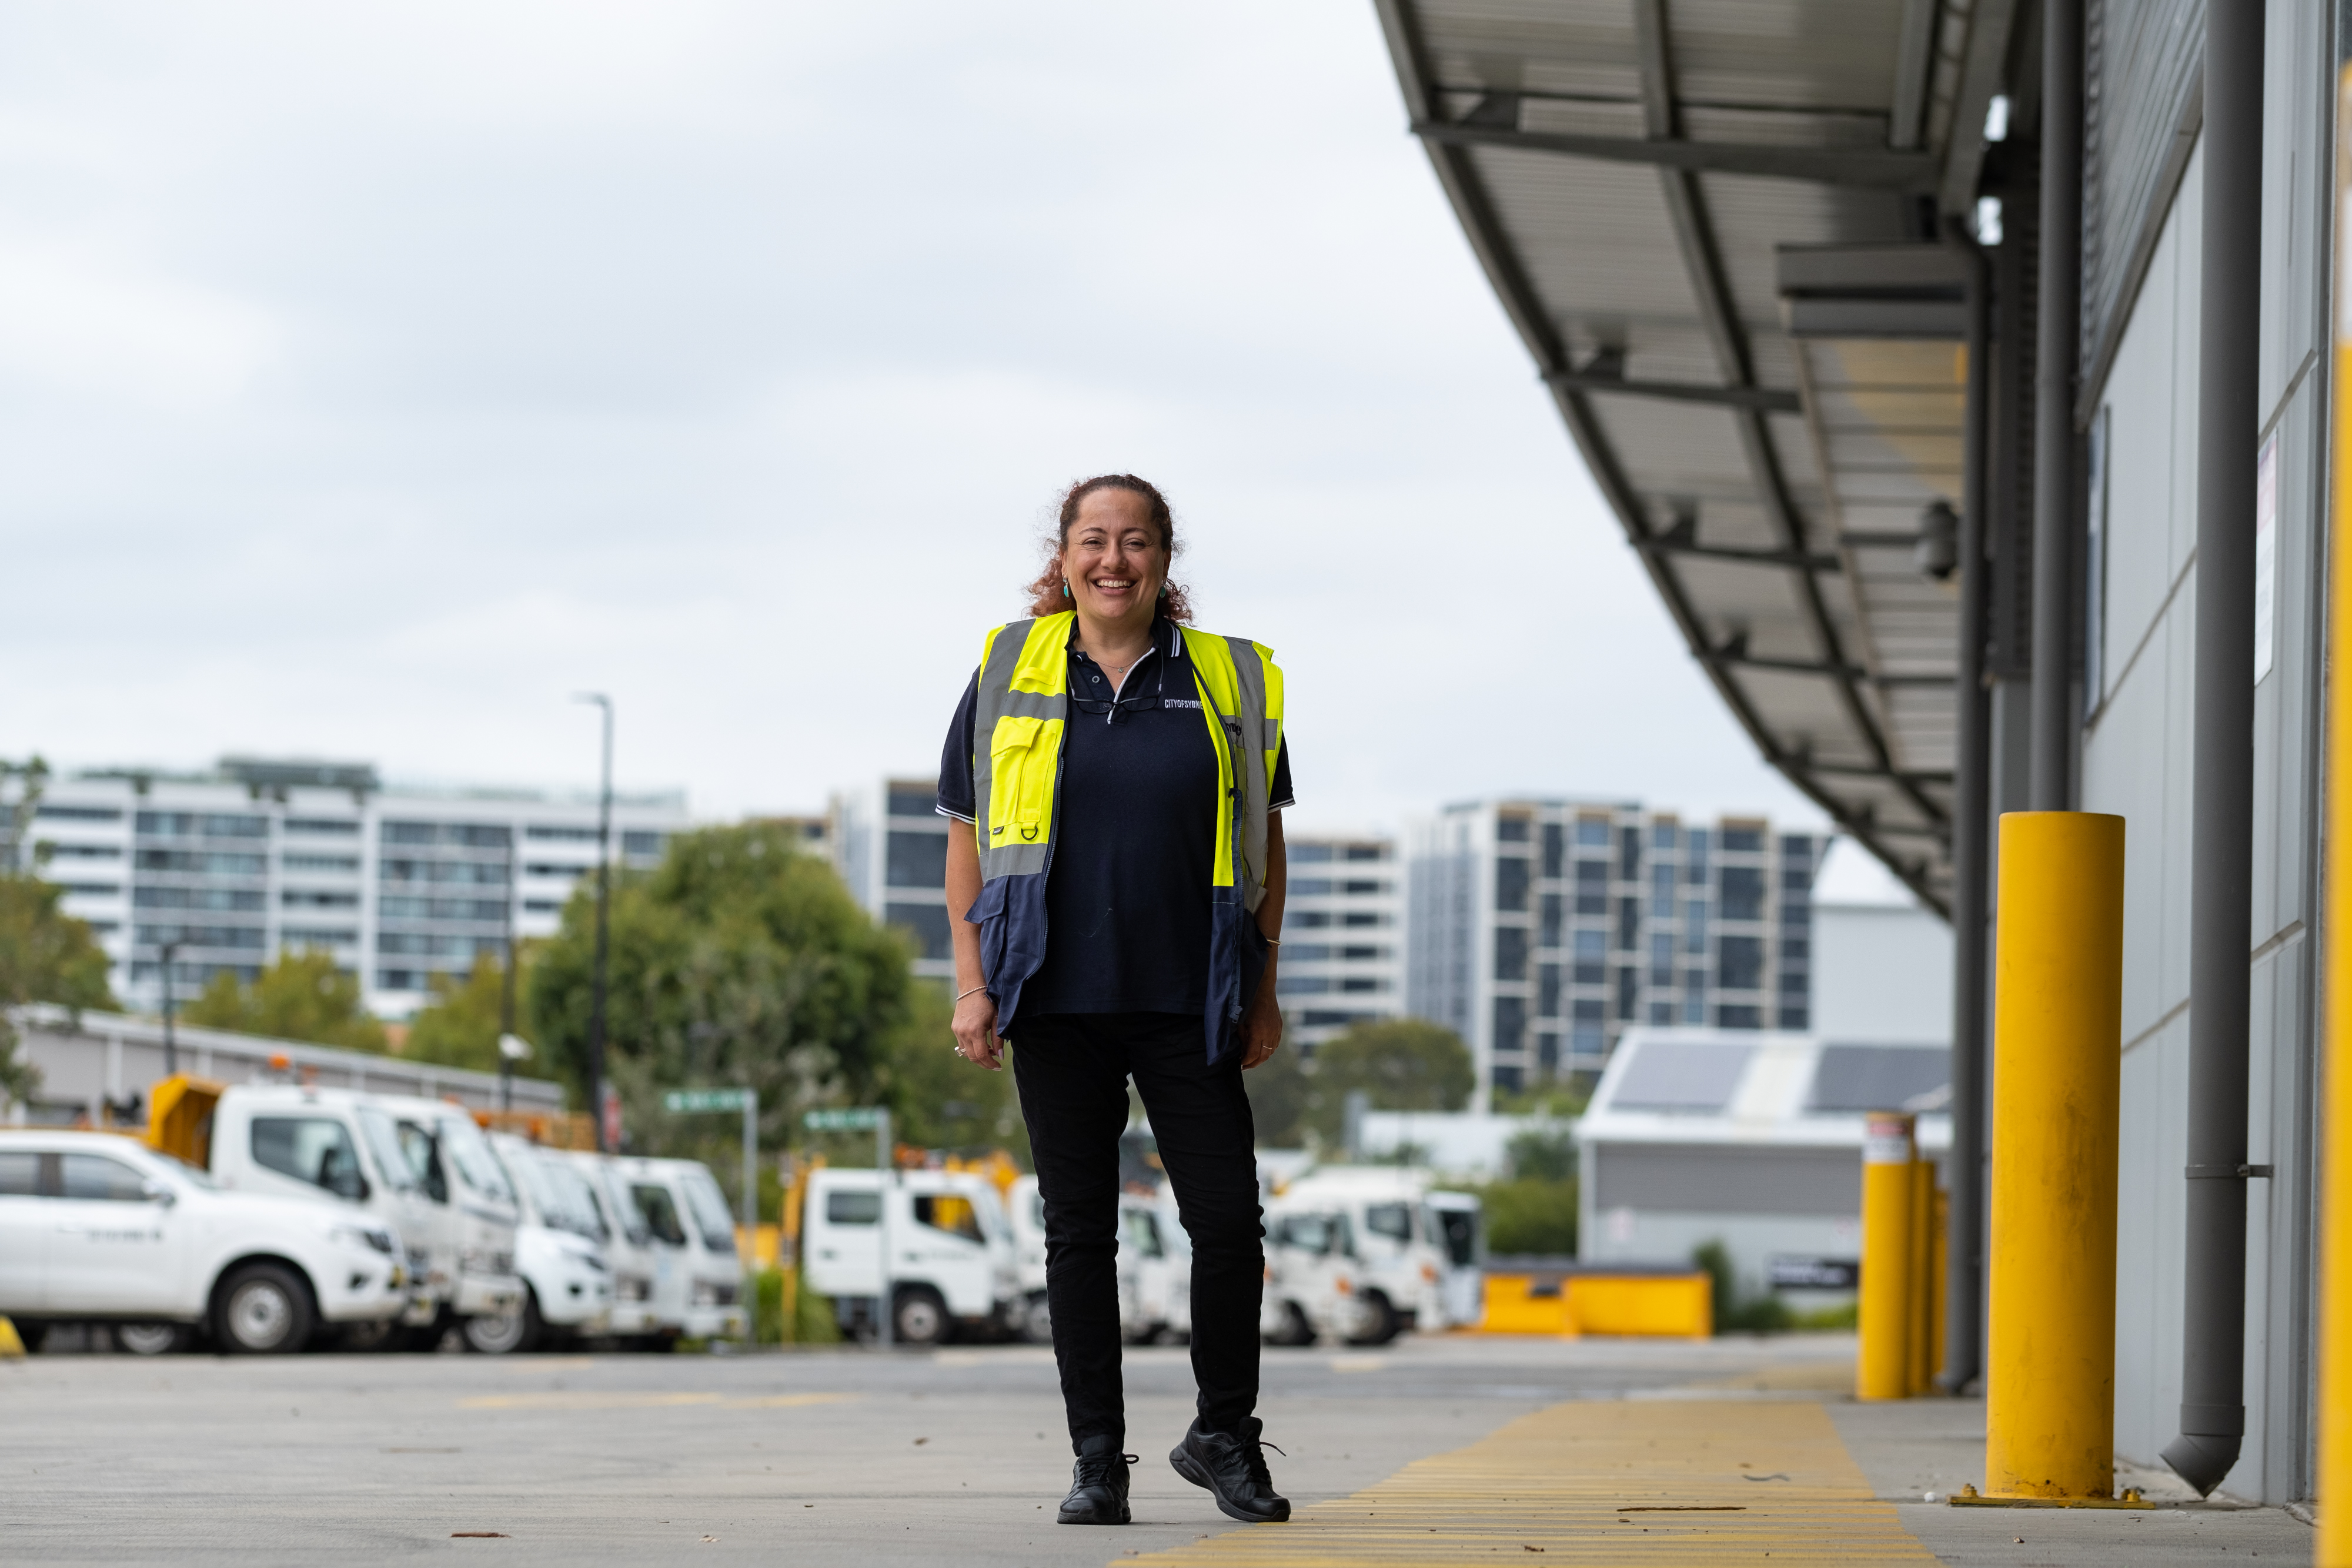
(2057, 1091)
(2331, 1405)
(1938, 1237)
(1889, 1147)
(12, 1346)
(1922, 1362)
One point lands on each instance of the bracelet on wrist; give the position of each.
(981, 986)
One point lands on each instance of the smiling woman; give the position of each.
(1115, 873)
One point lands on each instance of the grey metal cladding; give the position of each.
(1877, 1077)
(1709, 1179)
(2143, 62)
(1682, 1076)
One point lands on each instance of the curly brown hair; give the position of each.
(1046, 595)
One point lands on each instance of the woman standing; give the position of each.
(1116, 884)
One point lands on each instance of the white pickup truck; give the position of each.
(952, 1259)
(95, 1228)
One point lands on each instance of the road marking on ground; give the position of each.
(597, 1399)
(1602, 1482)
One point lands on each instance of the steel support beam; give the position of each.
(2221, 784)
(1971, 865)
(1865, 168)
(1768, 399)
(2060, 349)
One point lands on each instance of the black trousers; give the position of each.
(1072, 1071)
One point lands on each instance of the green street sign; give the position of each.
(861, 1120)
(686, 1100)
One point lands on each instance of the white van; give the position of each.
(1405, 1236)
(701, 1289)
(952, 1253)
(639, 1263)
(95, 1228)
(559, 1252)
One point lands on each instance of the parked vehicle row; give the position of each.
(227, 1222)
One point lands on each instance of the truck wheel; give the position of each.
(1376, 1320)
(265, 1310)
(150, 1339)
(1295, 1328)
(517, 1331)
(1037, 1322)
(918, 1316)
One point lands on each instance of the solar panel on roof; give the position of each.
(1881, 1078)
(1682, 1076)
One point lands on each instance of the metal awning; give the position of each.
(1714, 225)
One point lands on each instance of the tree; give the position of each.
(301, 996)
(1400, 1064)
(742, 960)
(46, 955)
(1281, 1093)
(459, 1026)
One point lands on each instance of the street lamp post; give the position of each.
(171, 952)
(603, 924)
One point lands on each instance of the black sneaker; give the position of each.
(1233, 1469)
(1098, 1485)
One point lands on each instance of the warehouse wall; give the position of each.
(2136, 762)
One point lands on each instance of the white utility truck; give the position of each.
(1155, 1266)
(701, 1289)
(559, 1252)
(1406, 1235)
(95, 1228)
(952, 1254)
(1312, 1280)
(421, 1167)
(639, 1263)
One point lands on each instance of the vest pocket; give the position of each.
(1022, 752)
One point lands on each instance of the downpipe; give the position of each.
(2213, 1336)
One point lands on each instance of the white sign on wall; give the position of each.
(2265, 554)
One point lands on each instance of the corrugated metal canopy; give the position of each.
(1628, 172)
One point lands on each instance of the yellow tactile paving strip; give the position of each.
(1679, 1482)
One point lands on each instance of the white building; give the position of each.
(1539, 930)
(256, 858)
(1342, 936)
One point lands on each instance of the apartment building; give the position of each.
(1342, 936)
(1540, 930)
(228, 868)
(890, 846)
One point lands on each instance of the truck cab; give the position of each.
(1312, 1280)
(702, 1287)
(1407, 1236)
(952, 1262)
(640, 1265)
(558, 1254)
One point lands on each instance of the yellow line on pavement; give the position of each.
(1697, 1482)
(594, 1399)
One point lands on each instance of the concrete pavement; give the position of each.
(1451, 1451)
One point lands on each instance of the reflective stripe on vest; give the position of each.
(1018, 724)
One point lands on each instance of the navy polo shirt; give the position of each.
(1127, 892)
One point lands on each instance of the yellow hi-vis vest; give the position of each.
(1019, 720)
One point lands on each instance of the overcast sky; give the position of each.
(372, 377)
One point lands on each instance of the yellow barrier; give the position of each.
(1889, 1195)
(1647, 1306)
(11, 1346)
(2057, 1098)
